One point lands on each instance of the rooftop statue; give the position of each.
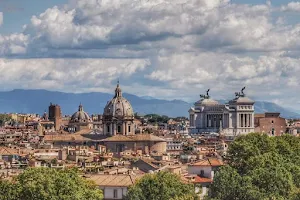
(203, 96)
(240, 94)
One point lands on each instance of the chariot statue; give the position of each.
(240, 94)
(203, 96)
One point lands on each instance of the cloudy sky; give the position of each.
(170, 49)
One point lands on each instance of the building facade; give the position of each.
(114, 186)
(231, 119)
(270, 123)
(118, 116)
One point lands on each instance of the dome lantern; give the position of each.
(118, 91)
(80, 108)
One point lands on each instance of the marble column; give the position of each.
(249, 120)
(110, 129)
(123, 128)
(114, 129)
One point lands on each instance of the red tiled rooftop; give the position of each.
(199, 179)
(214, 162)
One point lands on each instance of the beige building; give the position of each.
(114, 186)
(145, 143)
(231, 119)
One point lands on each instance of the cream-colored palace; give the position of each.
(231, 119)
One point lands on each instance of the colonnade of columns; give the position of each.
(124, 128)
(245, 120)
(214, 120)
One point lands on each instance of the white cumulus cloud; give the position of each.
(293, 6)
(73, 75)
(167, 48)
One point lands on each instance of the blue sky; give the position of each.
(165, 49)
(19, 12)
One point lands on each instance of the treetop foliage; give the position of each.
(260, 167)
(49, 184)
(161, 186)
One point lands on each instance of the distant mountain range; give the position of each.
(37, 101)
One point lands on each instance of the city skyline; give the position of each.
(85, 46)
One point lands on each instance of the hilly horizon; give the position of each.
(37, 101)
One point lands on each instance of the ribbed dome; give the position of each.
(80, 116)
(118, 106)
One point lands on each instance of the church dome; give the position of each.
(80, 116)
(118, 106)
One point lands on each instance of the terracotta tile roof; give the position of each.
(8, 151)
(117, 138)
(213, 162)
(259, 115)
(114, 180)
(146, 137)
(65, 137)
(199, 179)
(83, 131)
(131, 138)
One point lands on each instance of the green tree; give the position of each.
(161, 186)
(52, 184)
(228, 184)
(260, 167)
(8, 190)
(247, 146)
(4, 118)
(273, 181)
(154, 118)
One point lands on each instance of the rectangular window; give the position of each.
(115, 194)
(202, 173)
(108, 128)
(129, 129)
(119, 129)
